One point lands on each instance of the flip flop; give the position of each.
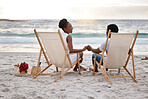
(145, 58)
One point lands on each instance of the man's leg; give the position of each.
(98, 58)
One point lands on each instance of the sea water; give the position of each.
(18, 35)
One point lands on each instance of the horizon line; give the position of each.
(2, 19)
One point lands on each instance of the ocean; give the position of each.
(18, 35)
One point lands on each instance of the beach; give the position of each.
(73, 85)
(18, 44)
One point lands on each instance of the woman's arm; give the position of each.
(70, 45)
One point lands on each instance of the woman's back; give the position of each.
(64, 35)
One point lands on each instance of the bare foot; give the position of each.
(75, 69)
(90, 69)
(82, 68)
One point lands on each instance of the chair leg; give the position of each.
(133, 64)
(62, 73)
(109, 80)
(127, 60)
(57, 69)
(60, 76)
(131, 75)
(106, 76)
(41, 71)
(104, 73)
(104, 64)
(94, 64)
(119, 70)
(57, 78)
(78, 63)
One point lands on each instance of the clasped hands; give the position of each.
(88, 47)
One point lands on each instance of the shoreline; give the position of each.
(85, 52)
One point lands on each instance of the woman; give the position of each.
(67, 28)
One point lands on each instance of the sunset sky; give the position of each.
(74, 9)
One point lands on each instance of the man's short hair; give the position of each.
(113, 28)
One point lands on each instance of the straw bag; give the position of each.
(35, 70)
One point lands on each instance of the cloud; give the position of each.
(114, 12)
(0, 11)
(126, 12)
(76, 9)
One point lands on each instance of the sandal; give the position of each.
(145, 58)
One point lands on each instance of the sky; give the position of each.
(74, 9)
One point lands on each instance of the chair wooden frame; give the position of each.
(43, 51)
(104, 62)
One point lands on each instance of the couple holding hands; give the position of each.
(67, 28)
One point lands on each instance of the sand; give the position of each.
(73, 85)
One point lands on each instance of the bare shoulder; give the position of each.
(69, 38)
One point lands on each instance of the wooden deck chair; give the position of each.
(120, 49)
(55, 52)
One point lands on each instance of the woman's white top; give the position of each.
(73, 57)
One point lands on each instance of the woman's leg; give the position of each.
(81, 56)
(76, 67)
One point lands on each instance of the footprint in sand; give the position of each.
(5, 90)
(18, 97)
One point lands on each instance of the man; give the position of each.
(113, 28)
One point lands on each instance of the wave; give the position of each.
(82, 35)
(143, 35)
(9, 20)
(18, 35)
(18, 40)
(75, 35)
